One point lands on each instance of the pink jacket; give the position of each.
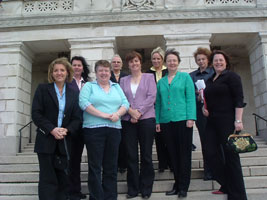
(145, 95)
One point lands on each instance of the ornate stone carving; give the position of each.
(138, 4)
(35, 7)
(230, 2)
(132, 16)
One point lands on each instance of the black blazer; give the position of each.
(113, 79)
(164, 72)
(45, 116)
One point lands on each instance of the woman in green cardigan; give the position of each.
(175, 115)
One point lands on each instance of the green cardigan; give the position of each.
(175, 102)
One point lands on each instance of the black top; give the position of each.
(164, 72)
(224, 94)
(113, 78)
(205, 75)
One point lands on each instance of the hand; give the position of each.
(134, 121)
(158, 128)
(205, 112)
(59, 133)
(135, 114)
(106, 116)
(238, 126)
(190, 123)
(114, 117)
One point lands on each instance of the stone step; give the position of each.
(30, 163)
(253, 194)
(159, 186)
(32, 157)
(30, 177)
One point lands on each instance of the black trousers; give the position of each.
(179, 144)
(142, 133)
(102, 146)
(122, 158)
(53, 183)
(201, 126)
(162, 151)
(226, 167)
(77, 145)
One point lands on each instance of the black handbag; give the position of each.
(241, 142)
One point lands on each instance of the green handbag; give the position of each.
(241, 143)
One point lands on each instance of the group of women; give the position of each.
(126, 114)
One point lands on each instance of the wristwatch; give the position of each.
(238, 121)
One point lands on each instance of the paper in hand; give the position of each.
(200, 84)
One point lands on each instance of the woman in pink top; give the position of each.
(138, 126)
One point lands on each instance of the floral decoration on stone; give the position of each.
(138, 4)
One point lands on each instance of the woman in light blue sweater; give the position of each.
(103, 103)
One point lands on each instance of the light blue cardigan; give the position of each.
(92, 94)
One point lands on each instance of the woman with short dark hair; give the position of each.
(175, 116)
(139, 127)
(103, 103)
(224, 111)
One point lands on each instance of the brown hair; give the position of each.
(202, 50)
(226, 57)
(132, 55)
(103, 63)
(174, 52)
(64, 61)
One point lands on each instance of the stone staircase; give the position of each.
(19, 177)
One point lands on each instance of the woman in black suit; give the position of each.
(116, 75)
(56, 114)
(80, 77)
(159, 70)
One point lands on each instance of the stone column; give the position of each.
(187, 44)
(258, 57)
(93, 49)
(15, 95)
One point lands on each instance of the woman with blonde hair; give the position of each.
(56, 114)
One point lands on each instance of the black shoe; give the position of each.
(161, 170)
(73, 198)
(182, 194)
(207, 177)
(193, 147)
(172, 192)
(122, 170)
(146, 196)
(82, 196)
(128, 196)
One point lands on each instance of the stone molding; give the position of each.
(187, 39)
(16, 47)
(89, 43)
(72, 19)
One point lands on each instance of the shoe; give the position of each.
(146, 196)
(73, 198)
(161, 170)
(207, 177)
(182, 194)
(172, 192)
(82, 196)
(122, 170)
(193, 147)
(128, 196)
(218, 192)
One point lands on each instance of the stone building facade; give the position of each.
(33, 33)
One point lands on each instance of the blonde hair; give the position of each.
(159, 51)
(64, 61)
